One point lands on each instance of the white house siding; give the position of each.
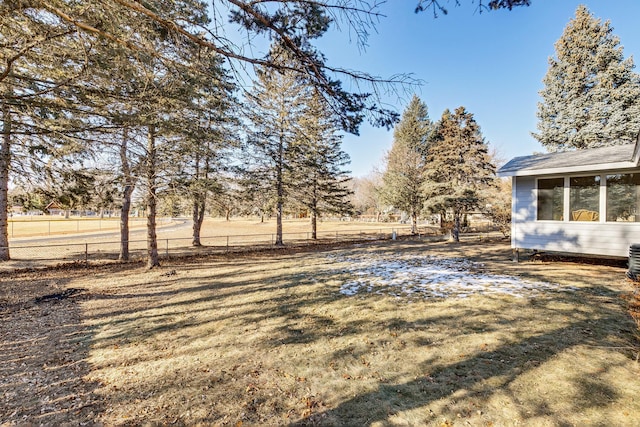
(596, 238)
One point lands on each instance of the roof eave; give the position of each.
(570, 169)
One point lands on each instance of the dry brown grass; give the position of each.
(55, 225)
(220, 227)
(269, 340)
(175, 238)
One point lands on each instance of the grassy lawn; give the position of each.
(383, 334)
(57, 225)
(175, 238)
(220, 227)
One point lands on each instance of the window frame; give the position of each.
(566, 209)
(606, 176)
(601, 209)
(537, 198)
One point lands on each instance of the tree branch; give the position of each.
(27, 48)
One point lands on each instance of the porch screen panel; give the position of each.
(584, 198)
(623, 197)
(550, 199)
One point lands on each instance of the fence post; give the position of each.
(166, 250)
(86, 254)
(227, 244)
(49, 223)
(12, 224)
(336, 236)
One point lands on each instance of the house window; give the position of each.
(623, 197)
(550, 199)
(584, 198)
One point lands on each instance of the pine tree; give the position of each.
(290, 23)
(274, 111)
(458, 167)
(205, 134)
(47, 45)
(41, 58)
(128, 179)
(161, 100)
(171, 104)
(591, 96)
(317, 161)
(404, 176)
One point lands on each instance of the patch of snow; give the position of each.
(433, 277)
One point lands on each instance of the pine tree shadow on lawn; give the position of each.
(154, 311)
(244, 338)
(486, 374)
(43, 351)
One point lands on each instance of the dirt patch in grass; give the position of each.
(273, 339)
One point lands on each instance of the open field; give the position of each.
(175, 239)
(380, 334)
(57, 225)
(45, 226)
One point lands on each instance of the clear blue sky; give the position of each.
(492, 63)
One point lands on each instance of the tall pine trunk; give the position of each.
(280, 191)
(152, 239)
(127, 191)
(314, 213)
(5, 162)
(279, 241)
(198, 205)
(124, 223)
(198, 218)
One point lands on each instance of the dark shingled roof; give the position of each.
(570, 160)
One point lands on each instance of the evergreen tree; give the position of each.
(163, 108)
(591, 96)
(57, 94)
(317, 161)
(72, 189)
(128, 179)
(226, 198)
(41, 57)
(437, 6)
(289, 23)
(274, 109)
(253, 190)
(204, 135)
(458, 167)
(404, 176)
